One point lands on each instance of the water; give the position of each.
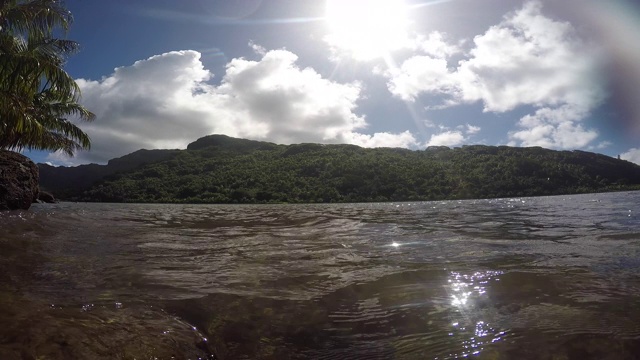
(550, 277)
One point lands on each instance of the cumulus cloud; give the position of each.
(529, 59)
(384, 139)
(566, 135)
(554, 128)
(59, 158)
(283, 103)
(420, 74)
(154, 103)
(632, 155)
(166, 101)
(447, 138)
(436, 45)
(526, 60)
(470, 129)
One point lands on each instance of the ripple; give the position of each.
(495, 278)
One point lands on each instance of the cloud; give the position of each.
(154, 103)
(421, 74)
(436, 45)
(529, 59)
(166, 101)
(603, 145)
(526, 60)
(447, 138)
(632, 155)
(550, 127)
(567, 135)
(59, 158)
(470, 129)
(384, 139)
(258, 49)
(283, 103)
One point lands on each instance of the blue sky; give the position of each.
(160, 74)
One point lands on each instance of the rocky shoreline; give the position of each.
(18, 181)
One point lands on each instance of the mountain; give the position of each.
(67, 181)
(221, 169)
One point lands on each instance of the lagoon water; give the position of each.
(523, 278)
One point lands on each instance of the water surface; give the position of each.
(549, 277)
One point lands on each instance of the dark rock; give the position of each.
(46, 197)
(34, 330)
(18, 181)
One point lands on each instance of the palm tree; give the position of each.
(36, 94)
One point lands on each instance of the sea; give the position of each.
(515, 278)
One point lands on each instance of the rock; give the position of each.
(18, 181)
(46, 197)
(34, 330)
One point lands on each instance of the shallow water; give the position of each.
(550, 277)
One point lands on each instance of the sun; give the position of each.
(367, 29)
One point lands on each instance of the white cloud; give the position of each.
(567, 135)
(632, 155)
(529, 59)
(435, 45)
(603, 145)
(447, 138)
(420, 74)
(258, 49)
(526, 60)
(166, 102)
(154, 103)
(554, 128)
(470, 129)
(403, 140)
(59, 158)
(286, 104)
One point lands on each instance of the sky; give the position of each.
(160, 74)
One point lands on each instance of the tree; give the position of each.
(37, 96)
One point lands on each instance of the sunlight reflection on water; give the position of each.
(463, 286)
(468, 293)
(494, 278)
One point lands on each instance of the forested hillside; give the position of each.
(220, 169)
(66, 182)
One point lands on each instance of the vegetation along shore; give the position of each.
(222, 169)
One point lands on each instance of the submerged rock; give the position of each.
(46, 197)
(18, 181)
(36, 331)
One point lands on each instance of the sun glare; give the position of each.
(367, 29)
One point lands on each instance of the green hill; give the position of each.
(67, 182)
(221, 169)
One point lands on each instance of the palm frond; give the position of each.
(36, 16)
(37, 96)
